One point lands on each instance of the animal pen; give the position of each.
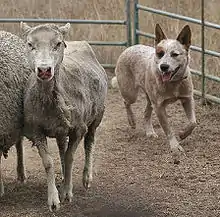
(132, 26)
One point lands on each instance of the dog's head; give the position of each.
(172, 54)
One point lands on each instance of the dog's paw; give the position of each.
(151, 134)
(185, 133)
(176, 150)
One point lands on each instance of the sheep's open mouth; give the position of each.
(44, 74)
(167, 76)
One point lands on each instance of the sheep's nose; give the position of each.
(164, 67)
(44, 69)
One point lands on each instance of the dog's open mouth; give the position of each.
(167, 76)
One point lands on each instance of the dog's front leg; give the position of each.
(189, 108)
(176, 149)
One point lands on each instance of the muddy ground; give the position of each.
(134, 176)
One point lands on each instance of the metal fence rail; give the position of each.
(202, 50)
(126, 23)
(137, 33)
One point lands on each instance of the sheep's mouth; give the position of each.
(167, 76)
(44, 74)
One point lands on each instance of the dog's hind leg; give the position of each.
(189, 108)
(148, 118)
(130, 115)
(129, 91)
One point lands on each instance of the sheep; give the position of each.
(64, 98)
(14, 72)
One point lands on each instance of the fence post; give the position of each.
(136, 22)
(203, 52)
(128, 22)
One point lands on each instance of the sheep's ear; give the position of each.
(65, 29)
(184, 37)
(24, 29)
(159, 34)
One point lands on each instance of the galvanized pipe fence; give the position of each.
(137, 33)
(202, 50)
(125, 23)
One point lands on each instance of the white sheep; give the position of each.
(64, 98)
(14, 71)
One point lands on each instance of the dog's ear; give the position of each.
(185, 37)
(159, 34)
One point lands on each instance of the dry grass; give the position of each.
(114, 9)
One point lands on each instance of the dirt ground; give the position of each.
(134, 176)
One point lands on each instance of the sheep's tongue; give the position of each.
(166, 76)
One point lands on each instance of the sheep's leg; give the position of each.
(53, 197)
(89, 143)
(20, 161)
(1, 179)
(74, 140)
(88, 146)
(62, 145)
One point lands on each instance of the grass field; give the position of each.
(114, 9)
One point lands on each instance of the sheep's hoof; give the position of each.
(54, 207)
(21, 179)
(87, 180)
(53, 201)
(66, 195)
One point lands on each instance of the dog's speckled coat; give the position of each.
(163, 74)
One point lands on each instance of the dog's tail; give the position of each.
(114, 83)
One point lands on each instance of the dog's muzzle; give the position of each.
(168, 75)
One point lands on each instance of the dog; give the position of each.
(163, 73)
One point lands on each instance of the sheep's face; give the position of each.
(45, 48)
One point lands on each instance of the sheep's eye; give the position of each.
(174, 55)
(31, 46)
(160, 54)
(57, 46)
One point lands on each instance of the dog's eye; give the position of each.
(57, 46)
(174, 55)
(160, 54)
(31, 46)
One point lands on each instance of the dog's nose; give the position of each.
(164, 67)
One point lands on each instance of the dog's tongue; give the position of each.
(166, 77)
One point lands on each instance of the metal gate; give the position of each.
(202, 50)
(137, 33)
(126, 23)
